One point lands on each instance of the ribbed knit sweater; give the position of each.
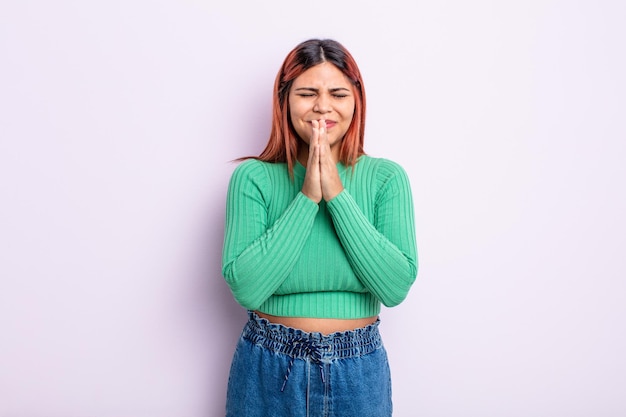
(286, 255)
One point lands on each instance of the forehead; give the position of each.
(322, 75)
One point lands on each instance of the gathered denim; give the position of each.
(280, 371)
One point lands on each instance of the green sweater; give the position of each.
(286, 255)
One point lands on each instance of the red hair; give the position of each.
(283, 143)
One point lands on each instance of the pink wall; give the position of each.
(117, 122)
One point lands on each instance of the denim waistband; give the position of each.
(299, 344)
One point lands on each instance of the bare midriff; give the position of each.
(324, 326)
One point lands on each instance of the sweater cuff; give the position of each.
(341, 201)
(305, 203)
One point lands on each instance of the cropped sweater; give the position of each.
(286, 255)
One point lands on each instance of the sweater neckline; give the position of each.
(299, 169)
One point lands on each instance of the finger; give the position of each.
(314, 155)
(312, 186)
(323, 135)
(315, 134)
(323, 141)
(323, 148)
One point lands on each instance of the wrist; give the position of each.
(316, 198)
(332, 194)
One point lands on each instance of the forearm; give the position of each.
(384, 260)
(256, 271)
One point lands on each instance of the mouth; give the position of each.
(329, 123)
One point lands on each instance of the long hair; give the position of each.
(283, 143)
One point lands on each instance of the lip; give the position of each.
(329, 123)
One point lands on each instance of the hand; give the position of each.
(322, 178)
(330, 182)
(312, 186)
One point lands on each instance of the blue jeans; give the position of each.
(280, 371)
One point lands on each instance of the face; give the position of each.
(322, 92)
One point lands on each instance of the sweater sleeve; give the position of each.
(258, 256)
(382, 253)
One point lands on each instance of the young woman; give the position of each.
(317, 236)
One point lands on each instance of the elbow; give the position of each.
(394, 299)
(246, 301)
(242, 292)
(390, 304)
(398, 294)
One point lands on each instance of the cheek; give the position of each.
(295, 115)
(295, 119)
(349, 116)
(292, 115)
(302, 128)
(348, 110)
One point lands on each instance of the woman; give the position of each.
(317, 236)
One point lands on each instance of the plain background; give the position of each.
(118, 120)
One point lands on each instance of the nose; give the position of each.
(322, 104)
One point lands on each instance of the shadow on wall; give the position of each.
(217, 319)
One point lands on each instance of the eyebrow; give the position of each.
(316, 90)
